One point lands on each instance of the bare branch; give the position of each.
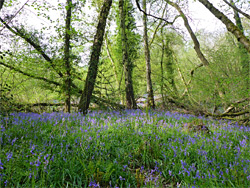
(32, 43)
(231, 27)
(30, 75)
(190, 31)
(14, 15)
(159, 18)
(237, 9)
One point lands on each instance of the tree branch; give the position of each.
(231, 27)
(231, 114)
(36, 46)
(30, 75)
(237, 9)
(159, 18)
(14, 15)
(190, 31)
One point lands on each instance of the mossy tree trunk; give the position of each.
(94, 58)
(68, 79)
(127, 64)
(150, 99)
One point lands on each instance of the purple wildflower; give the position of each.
(13, 141)
(9, 156)
(121, 178)
(1, 164)
(170, 173)
(93, 184)
(124, 167)
(243, 143)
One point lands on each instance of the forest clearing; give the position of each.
(124, 93)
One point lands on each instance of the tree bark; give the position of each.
(1, 4)
(231, 27)
(68, 79)
(130, 99)
(237, 18)
(162, 72)
(150, 99)
(94, 58)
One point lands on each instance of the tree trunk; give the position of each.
(237, 19)
(68, 79)
(94, 58)
(197, 47)
(162, 72)
(228, 23)
(130, 99)
(190, 31)
(150, 100)
(1, 4)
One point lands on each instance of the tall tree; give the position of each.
(127, 63)
(68, 79)
(62, 71)
(150, 100)
(94, 58)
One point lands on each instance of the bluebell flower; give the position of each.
(124, 167)
(243, 143)
(1, 164)
(13, 141)
(5, 183)
(9, 155)
(121, 178)
(93, 184)
(170, 172)
(248, 178)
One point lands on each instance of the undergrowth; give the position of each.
(121, 149)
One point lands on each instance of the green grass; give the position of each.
(121, 149)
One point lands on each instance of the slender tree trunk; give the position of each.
(228, 23)
(190, 31)
(68, 79)
(162, 72)
(130, 99)
(150, 100)
(197, 47)
(94, 59)
(237, 19)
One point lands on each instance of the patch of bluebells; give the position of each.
(117, 143)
